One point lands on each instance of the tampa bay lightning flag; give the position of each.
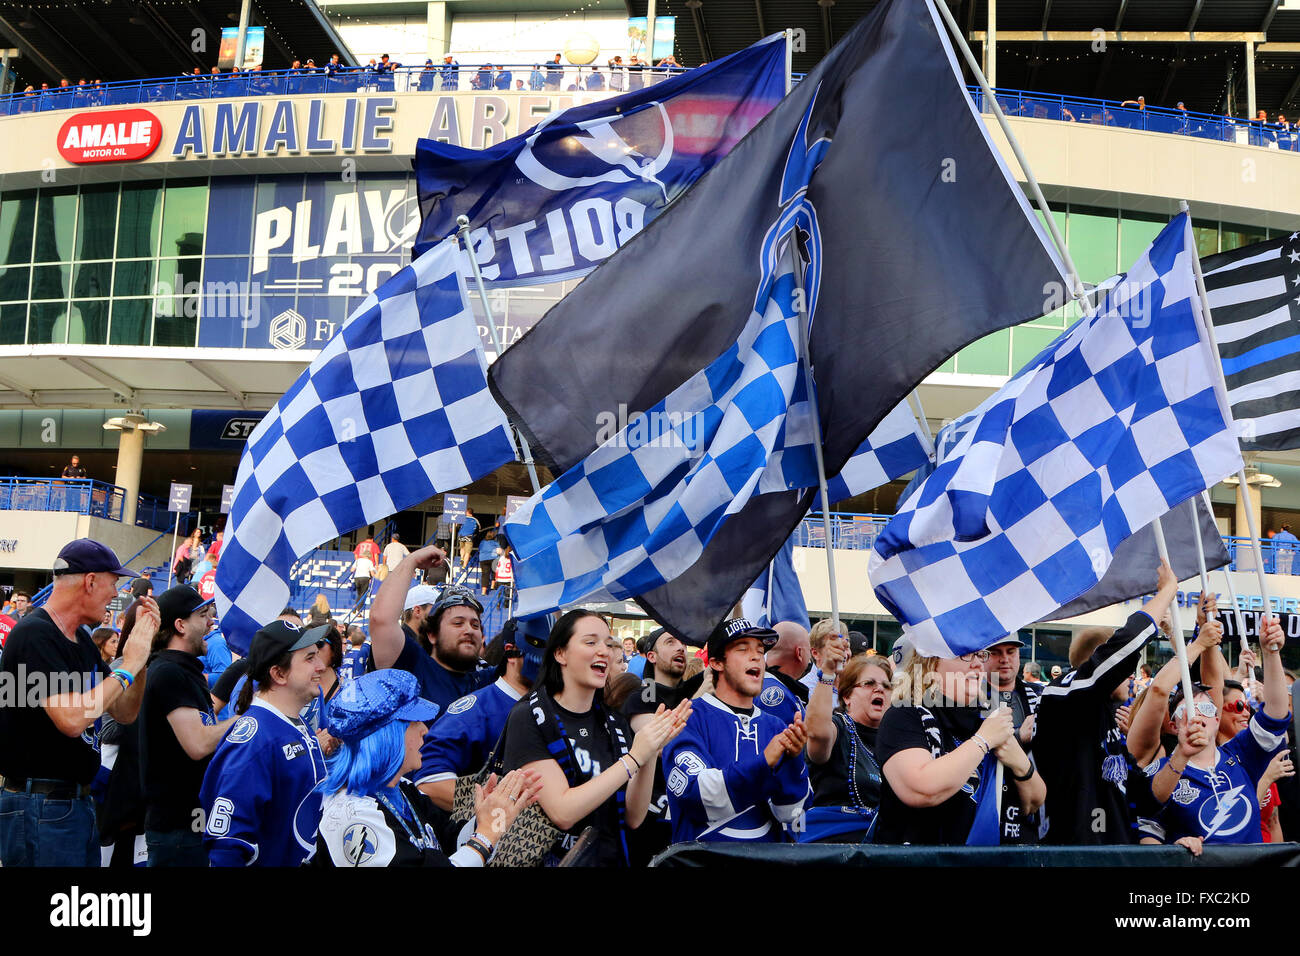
(554, 202)
(1112, 425)
(392, 411)
(918, 241)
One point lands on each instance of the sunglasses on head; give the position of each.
(1205, 708)
(455, 595)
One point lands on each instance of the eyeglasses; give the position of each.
(977, 656)
(871, 684)
(1205, 708)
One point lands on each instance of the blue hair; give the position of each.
(363, 767)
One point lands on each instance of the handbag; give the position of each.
(531, 835)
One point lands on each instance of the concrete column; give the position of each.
(438, 28)
(130, 456)
(1250, 79)
(1246, 556)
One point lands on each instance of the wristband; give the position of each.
(634, 760)
(124, 675)
(121, 680)
(982, 742)
(1029, 776)
(477, 844)
(625, 767)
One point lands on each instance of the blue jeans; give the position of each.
(37, 830)
(175, 848)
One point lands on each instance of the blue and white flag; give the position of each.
(393, 410)
(895, 447)
(1116, 422)
(641, 508)
(777, 595)
(554, 202)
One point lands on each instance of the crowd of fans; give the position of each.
(419, 744)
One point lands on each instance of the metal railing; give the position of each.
(858, 532)
(84, 496)
(513, 78)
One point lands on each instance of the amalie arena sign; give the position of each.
(106, 136)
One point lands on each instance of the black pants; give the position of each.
(485, 576)
(362, 585)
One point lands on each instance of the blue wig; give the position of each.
(364, 767)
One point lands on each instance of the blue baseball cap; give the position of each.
(85, 556)
(373, 700)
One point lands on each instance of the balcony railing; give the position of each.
(84, 496)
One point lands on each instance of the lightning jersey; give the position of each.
(460, 741)
(778, 700)
(1219, 805)
(259, 791)
(720, 787)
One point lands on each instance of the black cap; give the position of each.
(85, 556)
(180, 601)
(858, 643)
(736, 630)
(277, 639)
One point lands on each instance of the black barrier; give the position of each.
(752, 856)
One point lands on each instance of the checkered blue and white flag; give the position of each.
(640, 509)
(1111, 426)
(895, 447)
(393, 410)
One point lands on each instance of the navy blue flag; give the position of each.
(554, 202)
(918, 241)
(776, 595)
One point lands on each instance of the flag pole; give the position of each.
(462, 230)
(1227, 576)
(1180, 648)
(1031, 180)
(806, 360)
(1222, 385)
(919, 413)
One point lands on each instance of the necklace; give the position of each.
(851, 727)
(58, 622)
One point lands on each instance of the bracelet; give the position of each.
(477, 844)
(823, 679)
(982, 742)
(121, 680)
(634, 760)
(625, 768)
(125, 676)
(1170, 764)
(1028, 776)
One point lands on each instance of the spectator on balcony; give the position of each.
(616, 74)
(635, 74)
(73, 468)
(554, 73)
(483, 78)
(450, 73)
(1140, 103)
(333, 66)
(1285, 544)
(596, 81)
(536, 81)
(503, 78)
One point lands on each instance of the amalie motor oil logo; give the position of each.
(106, 136)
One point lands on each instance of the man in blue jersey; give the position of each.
(1211, 789)
(462, 739)
(736, 772)
(443, 650)
(259, 797)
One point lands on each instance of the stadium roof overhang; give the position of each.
(99, 376)
(135, 39)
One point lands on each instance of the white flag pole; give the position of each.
(1227, 577)
(919, 413)
(1222, 385)
(462, 229)
(1180, 648)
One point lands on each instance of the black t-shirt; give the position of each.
(830, 780)
(593, 752)
(225, 685)
(39, 662)
(949, 823)
(73, 471)
(171, 780)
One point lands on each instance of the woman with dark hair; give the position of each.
(106, 639)
(259, 792)
(371, 816)
(584, 751)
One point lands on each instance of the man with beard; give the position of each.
(665, 660)
(178, 730)
(1007, 688)
(443, 653)
(736, 773)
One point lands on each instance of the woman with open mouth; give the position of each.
(584, 751)
(842, 765)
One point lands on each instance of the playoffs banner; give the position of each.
(556, 201)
